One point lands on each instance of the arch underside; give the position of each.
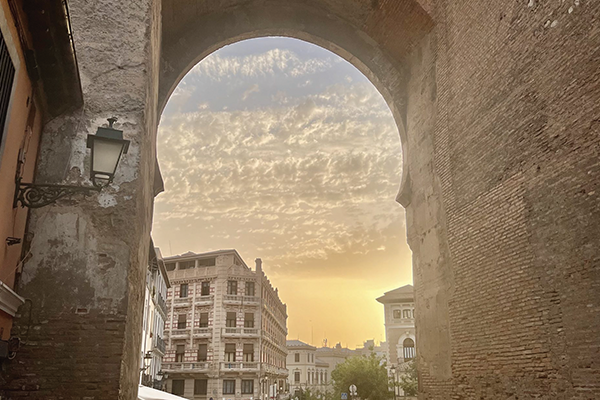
(191, 34)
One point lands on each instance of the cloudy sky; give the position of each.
(284, 151)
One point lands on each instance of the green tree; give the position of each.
(369, 375)
(409, 379)
(307, 394)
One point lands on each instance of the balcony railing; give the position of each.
(202, 332)
(237, 299)
(187, 366)
(239, 332)
(204, 300)
(271, 369)
(239, 366)
(182, 301)
(160, 344)
(180, 333)
(161, 303)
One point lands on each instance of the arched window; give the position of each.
(408, 347)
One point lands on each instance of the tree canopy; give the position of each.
(409, 381)
(369, 375)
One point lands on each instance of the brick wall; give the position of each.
(516, 141)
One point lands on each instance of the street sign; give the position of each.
(353, 390)
(344, 396)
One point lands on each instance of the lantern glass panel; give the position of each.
(106, 156)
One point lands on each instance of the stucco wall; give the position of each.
(85, 275)
(21, 132)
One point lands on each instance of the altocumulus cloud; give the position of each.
(276, 61)
(307, 183)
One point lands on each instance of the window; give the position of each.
(230, 352)
(406, 313)
(297, 357)
(249, 288)
(205, 288)
(228, 386)
(203, 320)
(248, 352)
(6, 78)
(179, 353)
(207, 262)
(325, 377)
(247, 386)
(408, 349)
(183, 290)
(249, 320)
(200, 386)
(296, 377)
(187, 264)
(170, 266)
(202, 352)
(397, 314)
(232, 287)
(181, 321)
(230, 321)
(178, 386)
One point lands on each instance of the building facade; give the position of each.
(399, 315)
(306, 370)
(370, 346)
(24, 104)
(226, 329)
(155, 315)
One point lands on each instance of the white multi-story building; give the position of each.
(334, 356)
(399, 311)
(369, 346)
(306, 371)
(155, 315)
(226, 329)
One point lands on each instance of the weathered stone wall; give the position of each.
(84, 277)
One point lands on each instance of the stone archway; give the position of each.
(189, 35)
(499, 100)
(388, 43)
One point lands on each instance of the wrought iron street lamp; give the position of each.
(147, 360)
(107, 147)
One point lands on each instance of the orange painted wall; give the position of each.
(19, 135)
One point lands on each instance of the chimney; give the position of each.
(258, 264)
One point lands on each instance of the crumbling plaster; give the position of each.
(87, 256)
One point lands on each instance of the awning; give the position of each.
(146, 393)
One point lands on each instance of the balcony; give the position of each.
(161, 304)
(204, 300)
(182, 302)
(187, 366)
(179, 333)
(271, 369)
(239, 332)
(239, 366)
(159, 344)
(236, 299)
(202, 332)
